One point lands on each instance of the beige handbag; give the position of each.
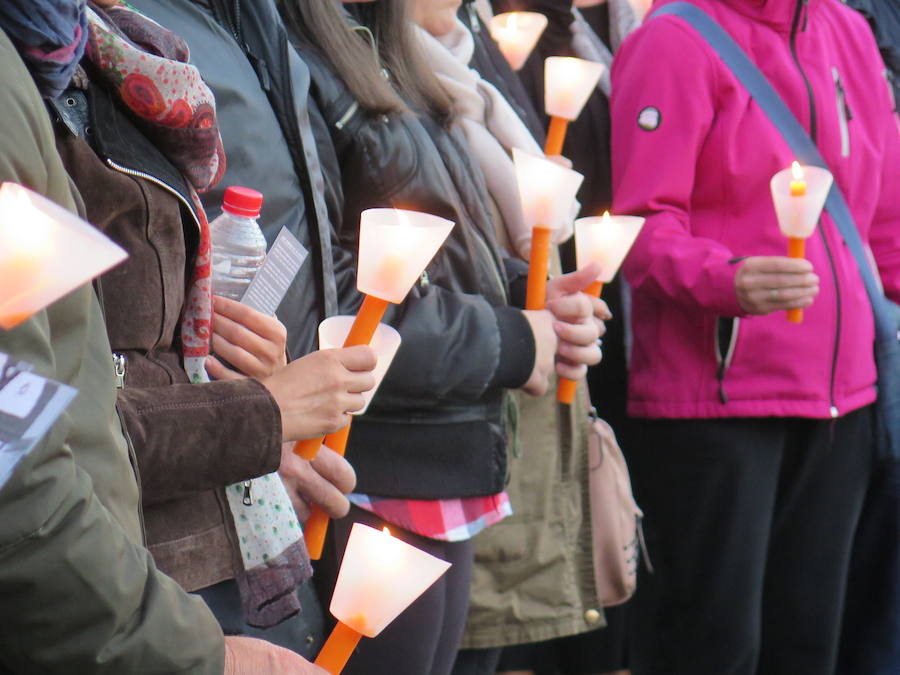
(615, 518)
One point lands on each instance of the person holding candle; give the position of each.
(430, 453)
(88, 596)
(543, 587)
(138, 170)
(755, 452)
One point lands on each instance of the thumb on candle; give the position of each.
(573, 282)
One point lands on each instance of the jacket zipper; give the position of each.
(119, 364)
(347, 116)
(801, 5)
(473, 18)
(843, 111)
(163, 185)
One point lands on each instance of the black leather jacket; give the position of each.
(436, 428)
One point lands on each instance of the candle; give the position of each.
(395, 247)
(380, 576)
(385, 343)
(799, 194)
(516, 34)
(605, 240)
(45, 252)
(568, 82)
(547, 192)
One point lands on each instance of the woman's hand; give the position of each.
(578, 322)
(324, 481)
(315, 393)
(255, 344)
(766, 284)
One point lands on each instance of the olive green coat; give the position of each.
(79, 590)
(533, 578)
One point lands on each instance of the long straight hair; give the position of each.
(359, 64)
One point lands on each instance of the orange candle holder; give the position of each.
(380, 577)
(547, 192)
(395, 247)
(568, 83)
(799, 194)
(605, 240)
(45, 252)
(516, 34)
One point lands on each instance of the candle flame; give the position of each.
(605, 221)
(512, 23)
(386, 531)
(797, 170)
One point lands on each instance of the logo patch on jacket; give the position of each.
(649, 118)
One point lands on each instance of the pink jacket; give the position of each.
(694, 154)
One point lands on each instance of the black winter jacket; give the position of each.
(436, 428)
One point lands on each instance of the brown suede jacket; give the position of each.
(190, 440)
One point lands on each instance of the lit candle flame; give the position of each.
(512, 23)
(605, 221)
(797, 170)
(386, 531)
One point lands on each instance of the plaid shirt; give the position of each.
(444, 519)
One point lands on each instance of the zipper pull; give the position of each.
(247, 500)
(473, 18)
(119, 367)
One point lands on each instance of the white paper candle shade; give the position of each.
(395, 247)
(385, 343)
(607, 240)
(516, 33)
(380, 577)
(546, 189)
(797, 216)
(45, 252)
(568, 82)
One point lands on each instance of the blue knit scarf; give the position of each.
(50, 36)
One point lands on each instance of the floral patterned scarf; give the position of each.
(148, 67)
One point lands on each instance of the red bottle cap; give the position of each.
(242, 201)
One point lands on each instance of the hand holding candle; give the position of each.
(547, 191)
(45, 252)
(606, 241)
(516, 34)
(380, 577)
(395, 246)
(332, 333)
(799, 194)
(568, 82)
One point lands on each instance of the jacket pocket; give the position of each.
(843, 112)
(726, 338)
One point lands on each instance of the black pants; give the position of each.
(750, 524)
(424, 639)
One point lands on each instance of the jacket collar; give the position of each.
(777, 13)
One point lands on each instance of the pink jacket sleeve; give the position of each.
(663, 70)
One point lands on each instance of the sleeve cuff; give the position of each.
(517, 349)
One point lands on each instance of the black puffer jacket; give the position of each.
(436, 428)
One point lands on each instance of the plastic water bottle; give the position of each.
(238, 245)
